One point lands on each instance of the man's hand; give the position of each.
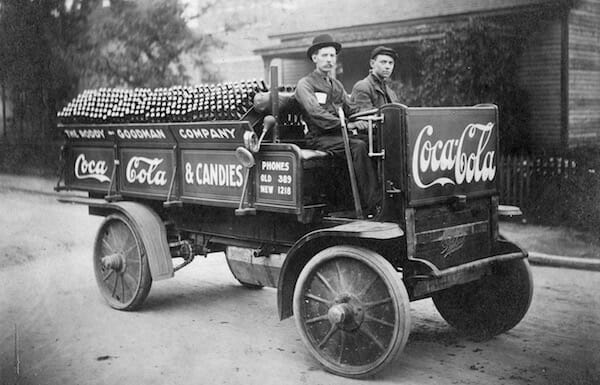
(358, 125)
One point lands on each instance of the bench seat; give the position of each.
(315, 158)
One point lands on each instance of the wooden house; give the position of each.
(560, 68)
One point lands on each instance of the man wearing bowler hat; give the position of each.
(373, 91)
(320, 96)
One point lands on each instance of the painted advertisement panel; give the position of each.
(275, 178)
(451, 151)
(147, 171)
(90, 168)
(214, 175)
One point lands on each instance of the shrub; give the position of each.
(41, 159)
(475, 62)
(568, 199)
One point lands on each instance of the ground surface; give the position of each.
(561, 241)
(202, 327)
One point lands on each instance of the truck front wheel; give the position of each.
(352, 310)
(492, 305)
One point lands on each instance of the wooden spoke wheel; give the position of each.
(120, 264)
(492, 305)
(352, 310)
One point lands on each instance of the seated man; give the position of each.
(373, 91)
(320, 96)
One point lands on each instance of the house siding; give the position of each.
(540, 76)
(294, 69)
(584, 74)
(317, 14)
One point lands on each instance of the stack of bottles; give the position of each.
(223, 101)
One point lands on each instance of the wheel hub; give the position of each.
(347, 313)
(114, 261)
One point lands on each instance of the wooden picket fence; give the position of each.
(519, 173)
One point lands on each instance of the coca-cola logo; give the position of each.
(145, 171)
(91, 169)
(455, 154)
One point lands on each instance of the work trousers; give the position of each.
(366, 176)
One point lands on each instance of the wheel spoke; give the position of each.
(330, 333)
(133, 261)
(340, 276)
(317, 319)
(367, 333)
(326, 283)
(108, 275)
(125, 285)
(126, 252)
(342, 346)
(120, 238)
(112, 236)
(131, 278)
(133, 268)
(378, 303)
(318, 299)
(128, 240)
(379, 321)
(367, 287)
(131, 286)
(115, 287)
(108, 245)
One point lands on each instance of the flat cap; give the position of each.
(382, 50)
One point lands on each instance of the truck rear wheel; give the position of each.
(120, 264)
(492, 305)
(352, 310)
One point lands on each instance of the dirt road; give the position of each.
(203, 328)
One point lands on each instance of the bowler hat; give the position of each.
(324, 40)
(382, 50)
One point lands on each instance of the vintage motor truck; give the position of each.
(285, 217)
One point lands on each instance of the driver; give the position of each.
(320, 96)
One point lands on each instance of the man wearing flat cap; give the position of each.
(373, 91)
(320, 96)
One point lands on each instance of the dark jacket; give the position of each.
(322, 118)
(370, 93)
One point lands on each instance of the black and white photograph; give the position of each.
(268, 192)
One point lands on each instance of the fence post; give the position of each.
(508, 179)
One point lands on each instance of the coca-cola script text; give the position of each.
(91, 169)
(431, 156)
(146, 171)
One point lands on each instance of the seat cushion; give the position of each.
(315, 158)
(307, 154)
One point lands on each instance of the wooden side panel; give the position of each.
(540, 75)
(451, 152)
(584, 73)
(447, 236)
(89, 158)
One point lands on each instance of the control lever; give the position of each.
(353, 183)
(246, 158)
(268, 123)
